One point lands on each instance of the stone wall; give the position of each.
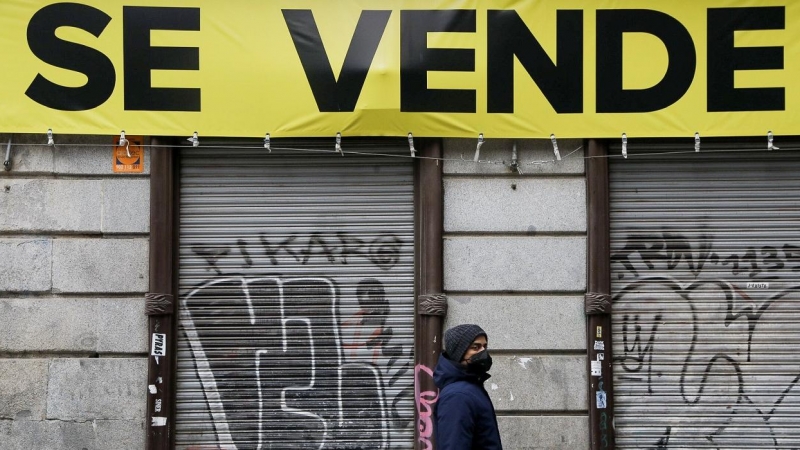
(515, 263)
(74, 256)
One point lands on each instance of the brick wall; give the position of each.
(73, 271)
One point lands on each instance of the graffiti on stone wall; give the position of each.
(718, 348)
(317, 364)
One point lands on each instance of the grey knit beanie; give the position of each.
(458, 339)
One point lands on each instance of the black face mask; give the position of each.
(479, 363)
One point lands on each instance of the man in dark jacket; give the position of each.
(464, 417)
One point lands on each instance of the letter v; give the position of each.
(332, 95)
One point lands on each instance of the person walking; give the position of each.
(464, 417)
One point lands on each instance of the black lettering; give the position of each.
(561, 84)
(332, 95)
(416, 60)
(44, 43)
(140, 58)
(611, 26)
(724, 59)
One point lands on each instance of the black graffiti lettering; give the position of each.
(509, 39)
(350, 246)
(272, 250)
(771, 260)
(612, 97)
(724, 59)
(792, 255)
(416, 60)
(48, 47)
(243, 250)
(317, 245)
(642, 356)
(211, 255)
(334, 95)
(141, 58)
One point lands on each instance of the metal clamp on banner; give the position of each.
(697, 142)
(555, 147)
(50, 141)
(770, 145)
(124, 141)
(411, 145)
(338, 147)
(267, 144)
(7, 162)
(514, 162)
(194, 140)
(478, 149)
(624, 145)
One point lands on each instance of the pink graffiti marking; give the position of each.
(425, 401)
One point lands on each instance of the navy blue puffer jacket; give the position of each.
(464, 417)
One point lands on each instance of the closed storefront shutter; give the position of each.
(705, 257)
(296, 309)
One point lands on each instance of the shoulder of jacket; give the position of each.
(459, 388)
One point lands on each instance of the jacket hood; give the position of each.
(448, 372)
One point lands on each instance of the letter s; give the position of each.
(95, 65)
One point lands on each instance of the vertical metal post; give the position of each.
(598, 300)
(429, 282)
(160, 304)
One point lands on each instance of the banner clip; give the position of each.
(478, 149)
(124, 141)
(555, 147)
(624, 145)
(194, 140)
(697, 141)
(266, 143)
(339, 143)
(770, 145)
(411, 145)
(50, 140)
(514, 162)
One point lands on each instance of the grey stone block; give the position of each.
(544, 432)
(58, 435)
(77, 325)
(26, 156)
(513, 323)
(104, 388)
(530, 153)
(89, 155)
(26, 265)
(23, 388)
(539, 383)
(515, 264)
(517, 205)
(100, 265)
(40, 205)
(126, 205)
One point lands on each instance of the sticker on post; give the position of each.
(599, 345)
(601, 356)
(128, 155)
(159, 345)
(599, 332)
(601, 399)
(757, 285)
(597, 368)
(159, 421)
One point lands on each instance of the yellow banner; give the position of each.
(504, 68)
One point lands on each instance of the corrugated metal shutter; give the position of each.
(705, 284)
(297, 285)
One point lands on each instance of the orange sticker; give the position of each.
(129, 164)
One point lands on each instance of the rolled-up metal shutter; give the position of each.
(296, 308)
(705, 282)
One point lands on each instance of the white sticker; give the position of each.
(152, 388)
(159, 421)
(597, 368)
(757, 285)
(158, 405)
(159, 345)
(601, 356)
(601, 399)
(599, 345)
